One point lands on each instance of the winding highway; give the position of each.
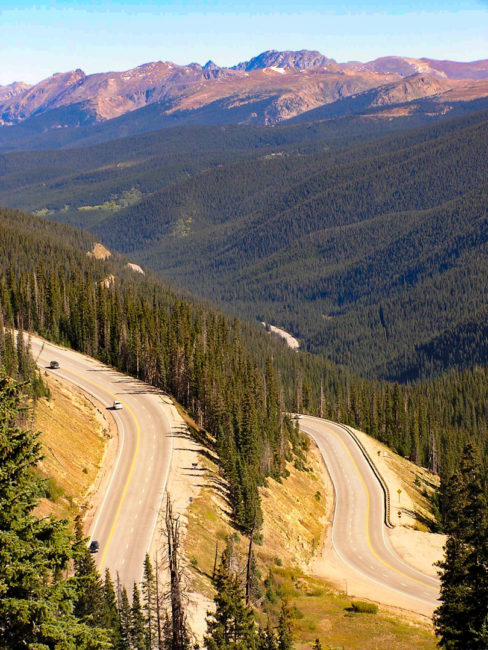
(359, 535)
(126, 515)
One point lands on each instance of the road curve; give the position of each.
(359, 535)
(126, 516)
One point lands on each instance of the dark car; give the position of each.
(94, 546)
(54, 364)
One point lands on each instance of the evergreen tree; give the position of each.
(148, 588)
(36, 602)
(111, 619)
(124, 617)
(90, 601)
(267, 639)
(460, 620)
(231, 626)
(285, 637)
(138, 632)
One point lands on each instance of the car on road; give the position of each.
(94, 546)
(54, 365)
(117, 405)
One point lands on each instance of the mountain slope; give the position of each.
(270, 88)
(356, 256)
(83, 187)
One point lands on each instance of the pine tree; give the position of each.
(90, 601)
(124, 617)
(111, 619)
(36, 602)
(285, 637)
(231, 626)
(138, 631)
(460, 620)
(148, 588)
(267, 639)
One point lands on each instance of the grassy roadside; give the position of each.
(73, 435)
(293, 530)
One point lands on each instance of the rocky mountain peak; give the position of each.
(300, 60)
(210, 65)
(13, 89)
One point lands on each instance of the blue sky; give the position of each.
(40, 38)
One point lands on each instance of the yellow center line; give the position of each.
(131, 470)
(368, 538)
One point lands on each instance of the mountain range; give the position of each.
(268, 89)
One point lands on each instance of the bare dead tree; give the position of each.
(179, 631)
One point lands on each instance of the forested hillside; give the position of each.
(85, 186)
(234, 378)
(365, 253)
(369, 249)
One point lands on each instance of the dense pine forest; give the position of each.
(145, 330)
(368, 246)
(363, 258)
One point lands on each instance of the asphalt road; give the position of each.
(359, 535)
(126, 516)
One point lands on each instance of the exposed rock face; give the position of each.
(408, 89)
(268, 88)
(406, 66)
(135, 267)
(15, 88)
(302, 60)
(99, 252)
(53, 92)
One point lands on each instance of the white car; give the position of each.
(117, 405)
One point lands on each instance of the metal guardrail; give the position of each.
(375, 470)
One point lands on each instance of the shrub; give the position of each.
(258, 539)
(53, 490)
(361, 607)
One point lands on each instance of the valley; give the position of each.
(332, 233)
(269, 280)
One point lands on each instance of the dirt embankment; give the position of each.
(99, 252)
(75, 434)
(290, 340)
